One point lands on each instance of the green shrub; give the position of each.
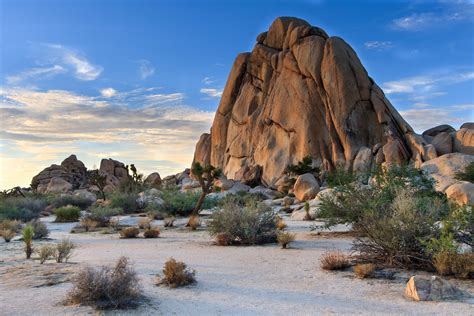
(302, 167)
(67, 214)
(66, 199)
(7, 234)
(244, 225)
(467, 174)
(40, 228)
(28, 234)
(125, 201)
(21, 208)
(105, 287)
(182, 203)
(242, 199)
(102, 214)
(340, 176)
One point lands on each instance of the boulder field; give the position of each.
(300, 92)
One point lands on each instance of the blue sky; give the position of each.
(140, 80)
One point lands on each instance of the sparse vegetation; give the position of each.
(21, 208)
(169, 221)
(125, 201)
(46, 252)
(144, 223)
(246, 225)
(334, 260)
(302, 167)
(67, 214)
(7, 234)
(467, 174)
(176, 274)
(194, 222)
(152, 232)
(41, 231)
(105, 287)
(89, 223)
(102, 214)
(284, 239)
(64, 250)
(129, 232)
(307, 216)
(364, 270)
(28, 234)
(67, 199)
(340, 177)
(206, 175)
(459, 265)
(99, 180)
(281, 225)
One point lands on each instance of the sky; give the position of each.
(140, 80)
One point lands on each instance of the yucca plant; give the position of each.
(28, 234)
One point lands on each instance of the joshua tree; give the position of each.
(307, 217)
(99, 180)
(28, 233)
(206, 176)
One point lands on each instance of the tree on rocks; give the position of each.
(99, 180)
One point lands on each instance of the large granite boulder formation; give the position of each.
(116, 172)
(298, 93)
(71, 174)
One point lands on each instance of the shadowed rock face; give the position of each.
(298, 93)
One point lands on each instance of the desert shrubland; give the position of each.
(61, 200)
(284, 239)
(364, 270)
(45, 252)
(151, 232)
(334, 260)
(40, 229)
(64, 250)
(22, 208)
(67, 214)
(176, 274)
(129, 232)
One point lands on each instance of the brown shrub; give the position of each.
(7, 234)
(281, 225)
(152, 232)
(223, 239)
(106, 287)
(334, 260)
(169, 221)
(15, 226)
(175, 274)
(89, 223)
(64, 250)
(145, 223)
(46, 252)
(194, 222)
(459, 265)
(284, 239)
(129, 232)
(365, 270)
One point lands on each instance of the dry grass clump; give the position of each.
(89, 223)
(334, 260)
(15, 226)
(280, 225)
(7, 234)
(169, 221)
(459, 265)
(152, 232)
(194, 222)
(129, 232)
(176, 274)
(223, 239)
(145, 223)
(46, 252)
(284, 239)
(365, 270)
(64, 250)
(106, 287)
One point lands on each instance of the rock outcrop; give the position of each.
(298, 93)
(115, 171)
(421, 288)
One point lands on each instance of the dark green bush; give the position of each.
(302, 167)
(340, 176)
(125, 201)
(67, 214)
(242, 199)
(182, 203)
(467, 174)
(21, 208)
(41, 231)
(102, 214)
(67, 199)
(247, 225)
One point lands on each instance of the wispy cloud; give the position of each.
(422, 119)
(208, 80)
(378, 45)
(108, 92)
(211, 92)
(82, 67)
(35, 73)
(145, 69)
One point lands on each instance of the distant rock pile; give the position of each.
(300, 92)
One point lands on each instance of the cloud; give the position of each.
(145, 69)
(378, 45)
(83, 68)
(207, 80)
(422, 119)
(211, 92)
(420, 85)
(35, 73)
(108, 92)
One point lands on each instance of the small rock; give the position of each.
(421, 288)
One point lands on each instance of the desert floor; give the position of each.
(257, 280)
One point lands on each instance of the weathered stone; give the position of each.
(83, 193)
(421, 288)
(363, 160)
(77, 171)
(429, 152)
(443, 143)
(462, 193)
(287, 201)
(153, 179)
(432, 132)
(306, 187)
(58, 185)
(224, 184)
(203, 150)
(444, 168)
(464, 141)
(468, 125)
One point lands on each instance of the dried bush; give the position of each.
(67, 199)
(176, 274)
(21, 208)
(152, 232)
(194, 222)
(129, 232)
(40, 228)
(365, 270)
(64, 250)
(247, 225)
(88, 222)
(67, 214)
(13, 225)
(106, 287)
(284, 239)
(7, 234)
(334, 260)
(46, 252)
(28, 234)
(222, 239)
(459, 265)
(281, 225)
(169, 221)
(144, 223)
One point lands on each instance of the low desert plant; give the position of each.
(467, 174)
(88, 223)
(169, 221)
(28, 234)
(340, 176)
(46, 252)
(281, 225)
(334, 260)
(364, 270)
(40, 228)
(284, 239)
(106, 287)
(124, 201)
(102, 214)
(206, 176)
(244, 225)
(10, 225)
(176, 274)
(307, 216)
(129, 232)
(67, 214)
(222, 239)
(64, 250)
(7, 234)
(67, 199)
(144, 223)
(152, 232)
(21, 208)
(302, 167)
(194, 222)
(459, 265)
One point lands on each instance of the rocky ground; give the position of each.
(257, 280)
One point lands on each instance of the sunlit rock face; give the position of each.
(298, 93)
